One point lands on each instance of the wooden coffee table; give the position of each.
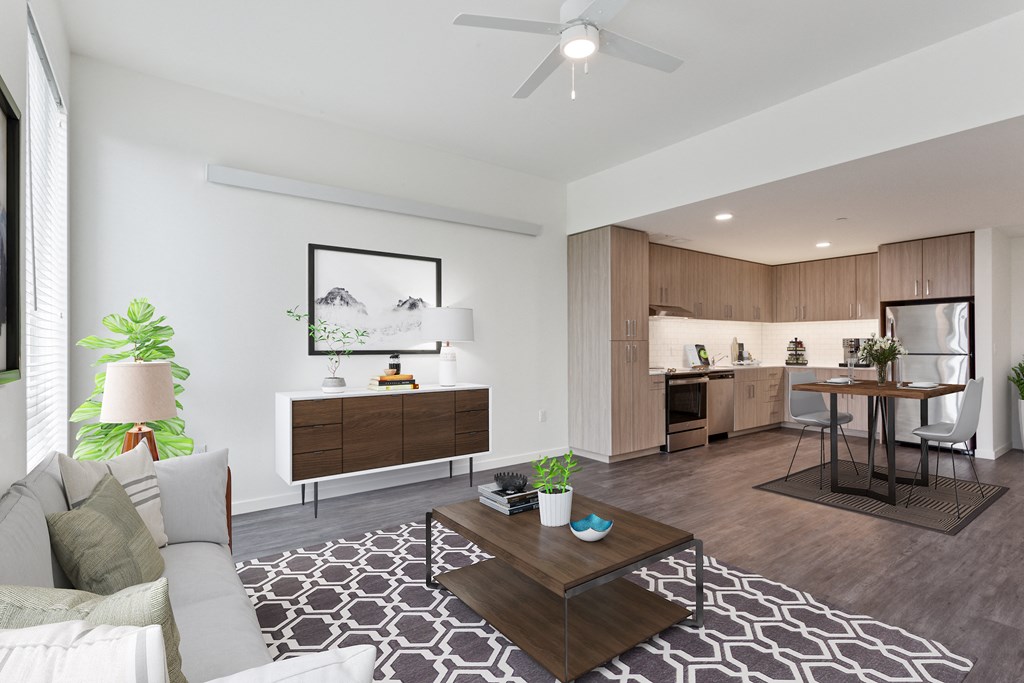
(563, 601)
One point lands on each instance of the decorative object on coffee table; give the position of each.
(336, 340)
(139, 393)
(553, 489)
(591, 528)
(511, 482)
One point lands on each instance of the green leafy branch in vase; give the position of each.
(142, 338)
(335, 337)
(552, 473)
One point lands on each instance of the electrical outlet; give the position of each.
(542, 415)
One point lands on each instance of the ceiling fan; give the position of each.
(580, 37)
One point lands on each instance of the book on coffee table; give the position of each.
(499, 495)
(511, 509)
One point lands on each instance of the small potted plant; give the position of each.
(337, 339)
(553, 489)
(881, 352)
(1017, 377)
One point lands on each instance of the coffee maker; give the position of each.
(851, 352)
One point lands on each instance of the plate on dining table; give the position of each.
(839, 380)
(922, 385)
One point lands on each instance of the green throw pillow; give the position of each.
(142, 605)
(103, 545)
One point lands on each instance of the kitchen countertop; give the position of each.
(733, 368)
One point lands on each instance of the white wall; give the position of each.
(13, 53)
(224, 263)
(1016, 283)
(992, 305)
(969, 80)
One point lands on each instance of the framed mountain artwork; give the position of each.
(10, 174)
(379, 292)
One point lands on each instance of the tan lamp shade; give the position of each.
(138, 392)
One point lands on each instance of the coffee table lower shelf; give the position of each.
(604, 622)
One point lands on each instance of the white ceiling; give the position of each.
(958, 183)
(400, 68)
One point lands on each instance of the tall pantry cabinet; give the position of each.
(612, 396)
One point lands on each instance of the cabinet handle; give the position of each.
(915, 286)
(851, 310)
(859, 314)
(928, 287)
(805, 312)
(796, 313)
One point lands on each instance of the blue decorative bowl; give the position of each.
(590, 528)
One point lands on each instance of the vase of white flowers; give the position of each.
(882, 352)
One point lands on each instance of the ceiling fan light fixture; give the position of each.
(579, 41)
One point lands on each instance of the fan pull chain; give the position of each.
(572, 91)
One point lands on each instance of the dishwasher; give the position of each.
(720, 402)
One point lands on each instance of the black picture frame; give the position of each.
(387, 288)
(10, 226)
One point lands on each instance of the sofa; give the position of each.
(220, 635)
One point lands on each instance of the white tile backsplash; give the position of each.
(765, 341)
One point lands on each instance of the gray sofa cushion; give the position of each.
(219, 631)
(24, 542)
(44, 484)
(192, 489)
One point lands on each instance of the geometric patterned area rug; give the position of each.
(370, 590)
(932, 507)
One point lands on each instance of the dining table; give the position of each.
(881, 399)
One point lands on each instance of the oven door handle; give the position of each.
(688, 380)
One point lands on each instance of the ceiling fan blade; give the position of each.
(505, 24)
(546, 68)
(626, 48)
(601, 11)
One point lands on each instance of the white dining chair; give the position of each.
(808, 408)
(961, 431)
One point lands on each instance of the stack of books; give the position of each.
(508, 503)
(392, 383)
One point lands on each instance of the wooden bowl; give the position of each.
(391, 371)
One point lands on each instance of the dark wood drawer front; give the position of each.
(472, 421)
(428, 427)
(318, 438)
(316, 464)
(372, 432)
(318, 412)
(475, 442)
(474, 399)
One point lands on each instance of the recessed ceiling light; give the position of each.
(723, 217)
(822, 245)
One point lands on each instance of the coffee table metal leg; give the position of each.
(565, 609)
(429, 537)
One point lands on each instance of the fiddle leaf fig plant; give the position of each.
(553, 473)
(139, 337)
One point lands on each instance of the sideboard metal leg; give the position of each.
(316, 498)
(451, 469)
(471, 472)
(303, 494)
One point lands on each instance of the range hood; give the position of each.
(661, 311)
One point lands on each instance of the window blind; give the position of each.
(46, 259)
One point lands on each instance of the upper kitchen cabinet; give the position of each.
(840, 288)
(813, 278)
(934, 268)
(867, 286)
(710, 287)
(787, 293)
(666, 277)
(611, 263)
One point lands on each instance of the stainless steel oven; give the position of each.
(686, 412)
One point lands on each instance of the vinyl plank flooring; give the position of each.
(964, 591)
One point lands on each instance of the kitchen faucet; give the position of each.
(715, 359)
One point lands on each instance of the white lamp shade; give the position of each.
(447, 324)
(138, 392)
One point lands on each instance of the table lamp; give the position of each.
(138, 392)
(447, 325)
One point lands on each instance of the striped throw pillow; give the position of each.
(133, 470)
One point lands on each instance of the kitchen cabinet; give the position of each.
(758, 398)
(610, 394)
(787, 292)
(652, 432)
(933, 268)
(813, 275)
(665, 275)
(840, 289)
(711, 287)
(867, 287)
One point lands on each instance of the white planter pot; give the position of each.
(1020, 416)
(555, 508)
(333, 385)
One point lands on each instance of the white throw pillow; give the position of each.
(133, 470)
(74, 652)
(346, 665)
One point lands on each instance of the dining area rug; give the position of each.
(370, 589)
(932, 507)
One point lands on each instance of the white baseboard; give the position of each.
(373, 481)
(992, 453)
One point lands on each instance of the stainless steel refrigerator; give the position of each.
(938, 339)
